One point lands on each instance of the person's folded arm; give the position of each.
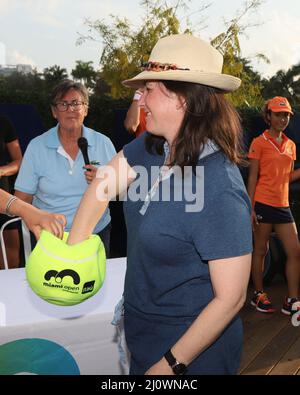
(15, 154)
(26, 197)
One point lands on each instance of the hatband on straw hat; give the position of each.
(183, 57)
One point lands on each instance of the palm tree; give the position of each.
(54, 74)
(284, 83)
(85, 73)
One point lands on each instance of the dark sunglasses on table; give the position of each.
(64, 105)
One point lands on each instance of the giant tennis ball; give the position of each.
(66, 274)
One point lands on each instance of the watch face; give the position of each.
(179, 368)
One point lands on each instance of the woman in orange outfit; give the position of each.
(272, 157)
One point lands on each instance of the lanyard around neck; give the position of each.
(164, 173)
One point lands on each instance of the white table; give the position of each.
(41, 338)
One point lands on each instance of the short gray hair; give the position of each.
(61, 89)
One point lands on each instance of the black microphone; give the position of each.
(83, 146)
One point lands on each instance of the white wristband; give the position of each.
(137, 95)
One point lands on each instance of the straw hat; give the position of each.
(182, 57)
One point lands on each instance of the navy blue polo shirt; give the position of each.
(169, 247)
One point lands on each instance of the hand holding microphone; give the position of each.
(83, 146)
(91, 170)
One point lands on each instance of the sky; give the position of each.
(44, 32)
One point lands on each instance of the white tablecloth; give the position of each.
(78, 336)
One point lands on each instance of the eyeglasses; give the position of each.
(64, 105)
(157, 66)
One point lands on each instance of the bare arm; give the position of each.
(111, 180)
(252, 178)
(132, 119)
(35, 219)
(251, 186)
(295, 174)
(230, 280)
(15, 153)
(26, 197)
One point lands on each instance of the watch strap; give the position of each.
(177, 367)
(170, 358)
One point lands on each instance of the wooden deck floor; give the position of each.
(271, 342)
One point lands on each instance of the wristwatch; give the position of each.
(177, 367)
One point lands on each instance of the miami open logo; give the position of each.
(61, 280)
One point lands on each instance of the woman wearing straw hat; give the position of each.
(188, 253)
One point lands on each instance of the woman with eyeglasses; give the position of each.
(53, 175)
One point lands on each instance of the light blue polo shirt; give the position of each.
(54, 179)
